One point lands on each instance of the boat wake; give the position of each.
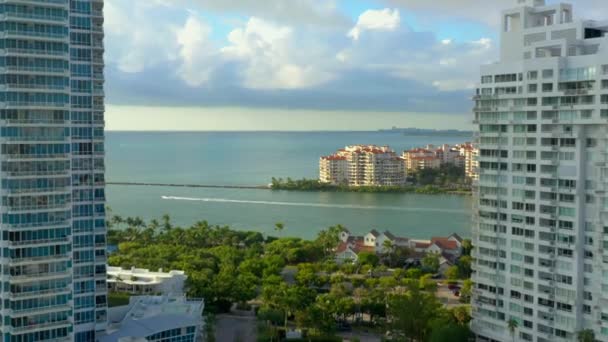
(313, 205)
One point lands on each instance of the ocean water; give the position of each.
(253, 158)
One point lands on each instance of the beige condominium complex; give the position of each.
(363, 165)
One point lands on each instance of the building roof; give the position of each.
(421, 244)
(141, 276)
(148, 315)
(333, 157)
(356, 247)
(445, 243)
(456, 236)
(393, 237)
(375, 233)
(390, 235)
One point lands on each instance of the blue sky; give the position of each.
(296, 64)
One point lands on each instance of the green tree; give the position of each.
(461, 315)
(369, 259)
(451, 333)
(279, 227)
(452, 273)
(464, 266)
(512, 326)
(467, 289)
(166, 222)
(586, 335)
(413, 273)
(329, 239)
(430, 262)
(388, 249)
(467, 247)
(412, 314)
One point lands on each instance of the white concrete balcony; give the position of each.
(40, 294)
(37, 36)
(40, 327)
(32, 70)
(35, 278)
(38, 311)
(63, 240)
(33, 17)
(36, 260)
(34, 53)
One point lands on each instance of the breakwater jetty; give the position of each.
(175, 185)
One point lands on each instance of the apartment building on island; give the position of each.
(434, 157)
(363, 165)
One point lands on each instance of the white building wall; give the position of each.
(542, 114)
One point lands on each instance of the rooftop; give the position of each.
(141, 276)
(147, 315)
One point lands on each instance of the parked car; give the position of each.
(453, 287)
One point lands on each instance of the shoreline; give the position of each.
(418, 190)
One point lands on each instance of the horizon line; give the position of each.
(382, 130)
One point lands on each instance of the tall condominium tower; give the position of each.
(53, 258)
(541, 218)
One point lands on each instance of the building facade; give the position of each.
(145, 282)
(541, 263)
(333, 170)
(156, 318)
(363, 165)
(52, 170)
(470, 154)
(433, 157)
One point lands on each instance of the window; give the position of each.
(548, 73)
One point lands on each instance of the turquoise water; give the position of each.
(252, 159)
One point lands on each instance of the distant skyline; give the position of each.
(298, 64)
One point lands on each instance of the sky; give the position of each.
(298, 64)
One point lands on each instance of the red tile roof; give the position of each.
(444, 243)
(334, 157)
(422, 245)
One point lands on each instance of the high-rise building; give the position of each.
(52, 170)
(363, 165)
(541, 260)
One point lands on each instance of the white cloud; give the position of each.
(294, 12)
(195, 52)
(272, 58)
(134, 39)
(147, 38)
(376, 20)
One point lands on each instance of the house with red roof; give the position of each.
(450, 248)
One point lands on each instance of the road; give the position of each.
(230, 328)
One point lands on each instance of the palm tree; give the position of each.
(512, 325)
(586, 335)
(387, 249)
(167, 226)
(279, 227)
(117, 220)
